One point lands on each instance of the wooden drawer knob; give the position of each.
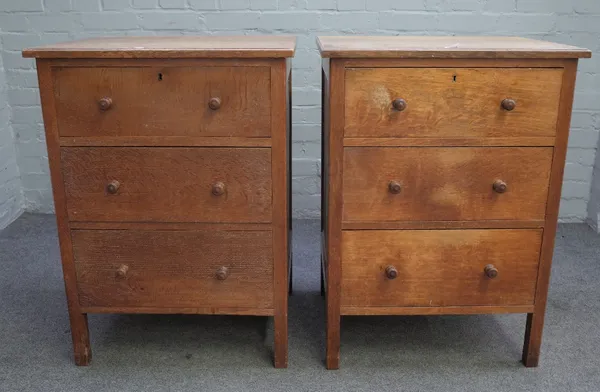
(222, 273)
(490, 271)
(214, 103)
(399, 104)
(394, 187)
(218, 189)
(122, 271)
(391, 272)
(105, 103)
(499, 186)
(113, 187)
(509, 104)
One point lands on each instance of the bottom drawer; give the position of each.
(174, 269)
(439, 267)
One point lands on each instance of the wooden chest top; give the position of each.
(445, 47)
(170, 47)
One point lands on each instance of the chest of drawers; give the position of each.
(170, 162)
(443, 160)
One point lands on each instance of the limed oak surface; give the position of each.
(451, 102)
(163, 101)
(445, 183)
(165, 184)
(447, 222)
(406, 47)
(173, 268)
(439, 267)
(170, 47)
(157, 213)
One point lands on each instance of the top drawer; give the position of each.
(163, 101)
(451, 102)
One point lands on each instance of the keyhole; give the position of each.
(159, 76)
(454, 78)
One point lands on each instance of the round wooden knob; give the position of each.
(391, 272)
(499, 186)
(394, 187)
(122, 271)
(490, 271)
(105, 103)
(214, 103)
(218, 189)
(399, 104)
(113, 187)
(509, 104)
(222, 273)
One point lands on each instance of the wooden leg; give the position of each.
(533, 339)
(332, 360)
(281, 341)
(81, 339)
(535, 320)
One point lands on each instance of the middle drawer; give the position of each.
(168, 184)
(439, 183)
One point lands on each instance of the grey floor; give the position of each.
(221, 353)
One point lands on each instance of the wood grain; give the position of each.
(519, 141)
(440, 310)
(439, 268)
(335, 163)
(442, 184)
(406, 47)
(325, 123)
(173, 268)
(451, 102)
(189, 226)
(170, 47)
(528, 143)
(280, 173)
(77, 317)
(442, 225)
(197, 310)
(163, 101)
(160, 213)
(535, 319)
(168, 184)
(161, 62)
(164, 141)
(453, 63)
(324, 170)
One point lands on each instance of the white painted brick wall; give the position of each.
(26, 23)
(11, 197)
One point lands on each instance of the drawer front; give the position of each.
(451, 102)
(439, 267)
(174, 268)
(168, 184)
(163, 101)
(445, 184)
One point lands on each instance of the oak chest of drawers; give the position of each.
(169, 160)
(443, 165)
